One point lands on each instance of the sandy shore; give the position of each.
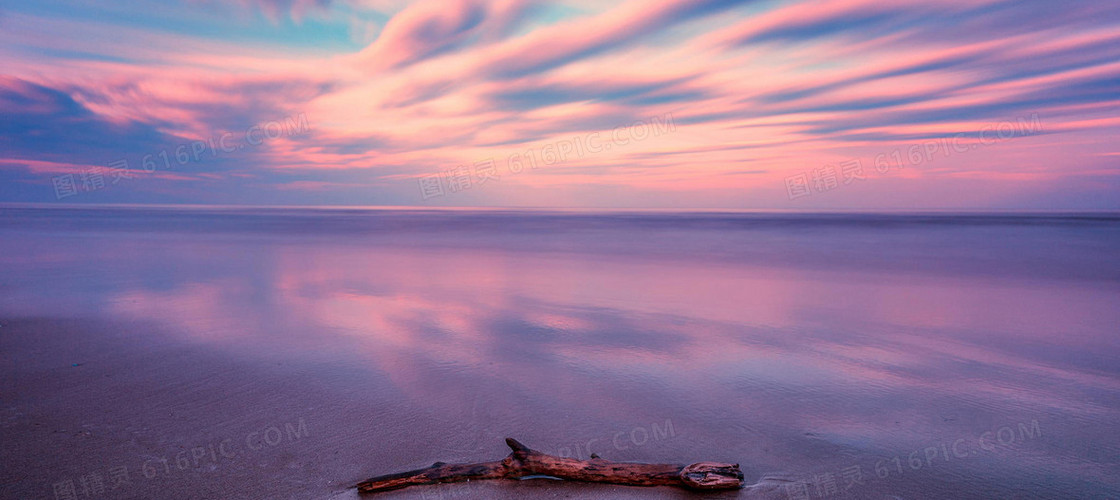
(250, 354)
(94, 409)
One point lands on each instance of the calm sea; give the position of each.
(841, 355)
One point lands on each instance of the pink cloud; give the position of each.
(450, 83)
(430, 27)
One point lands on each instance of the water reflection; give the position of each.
(795, 343)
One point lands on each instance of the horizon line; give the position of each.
(882, 211)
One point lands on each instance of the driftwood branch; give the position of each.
(523, 462)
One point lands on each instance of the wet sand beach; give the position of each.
(256, 353)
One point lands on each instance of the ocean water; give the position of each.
(831, 355)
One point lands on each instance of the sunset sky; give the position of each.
(810, 105)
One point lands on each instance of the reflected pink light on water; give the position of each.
(813, 341)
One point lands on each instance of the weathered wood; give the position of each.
(524, 462)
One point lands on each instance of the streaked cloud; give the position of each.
(398, 91)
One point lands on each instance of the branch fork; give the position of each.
(523, 462)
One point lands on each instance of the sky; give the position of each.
(674, 104)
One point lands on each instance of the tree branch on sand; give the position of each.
(523, 462)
